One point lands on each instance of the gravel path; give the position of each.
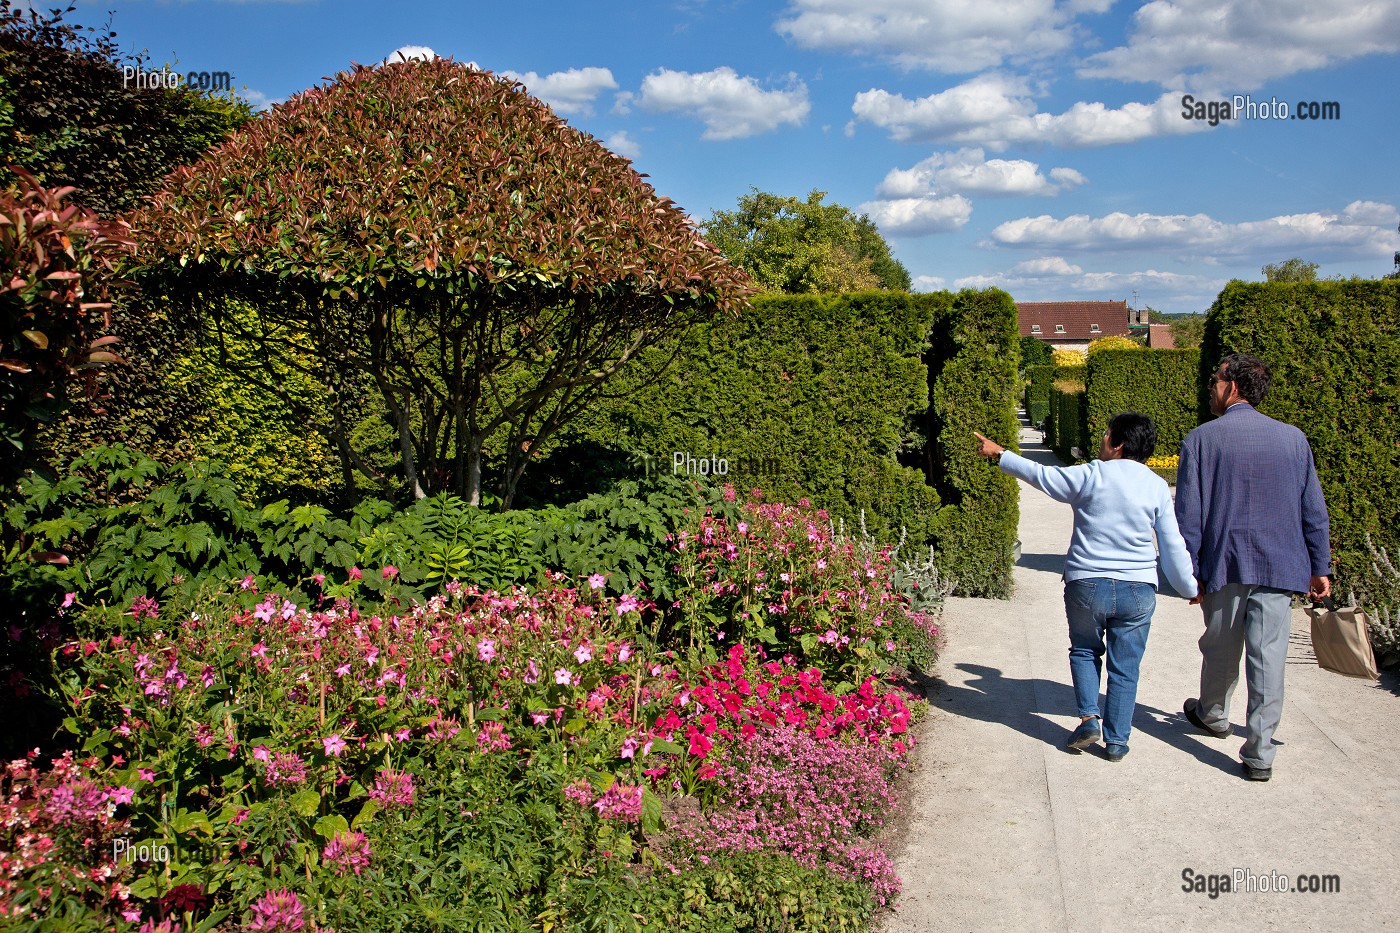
(1009, 831)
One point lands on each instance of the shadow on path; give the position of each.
(1013, 702)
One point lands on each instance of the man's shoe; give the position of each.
(1189, 708)
(1115, 752)
(1087, 734)
(1252, 773)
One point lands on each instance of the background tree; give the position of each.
(1187, 329)
(501, 267)
(1290, 270)
(789, 245)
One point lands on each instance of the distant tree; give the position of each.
(794, 246)
(1035, 352)
(1290, 270)
(1156, 317)
(1187, 329)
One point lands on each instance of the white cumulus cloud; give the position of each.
(1212, 45)
(623, 144)
(1361, 229)
(928, 283)
(913, 217)
(731, 106)
(945, 35)
(406, 52)
(968, 171)
(998, 111)
(1047, 265)
(567, 92)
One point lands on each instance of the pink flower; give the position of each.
(120, 795)
(247, 583)
(562, 676)
(597, 581)
(583, 653)
(390, 572)
(486, 650)
(259, 650)
(393, 788)
(261, 753)
(333, 744)
(277, 910)
(355, 573)
(624, 653)
(146, 774)
(347, 852)
(629, 748)
(68, 599)
(532, 672)
(343, 670)
(539, 719)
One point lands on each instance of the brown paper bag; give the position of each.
(1341, 642)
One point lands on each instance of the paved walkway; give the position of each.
(1012, 832)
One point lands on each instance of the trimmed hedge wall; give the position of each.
(1038, 392)
(1334, 350)
(1060, 374)
(972, 374)
(828, 397)
(1162, 384)
(1069, 402)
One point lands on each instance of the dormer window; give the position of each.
(1035, 328)
(1059, 328)
(1093, 328)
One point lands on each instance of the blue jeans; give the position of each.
(1118, 612)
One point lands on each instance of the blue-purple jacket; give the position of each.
(1249, 505)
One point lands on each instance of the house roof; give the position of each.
(1159, 337)
(1077, 318)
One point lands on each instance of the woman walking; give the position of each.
(1111, 568)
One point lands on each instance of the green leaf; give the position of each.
(366, 813)
(305, 802)
(328, 827)
(187, 820)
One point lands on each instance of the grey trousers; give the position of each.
(1255, 620)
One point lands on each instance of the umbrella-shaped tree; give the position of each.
(435, 230)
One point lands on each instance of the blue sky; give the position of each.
(1029, 144)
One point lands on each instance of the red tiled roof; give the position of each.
(1077, 318)
(1159, 337)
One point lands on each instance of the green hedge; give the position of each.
(802, 395)
(828, 397)
(1038, 392)
(1069, 403)
(1060, 374)
(1334, 349)
(1162, 384)
(972, 372)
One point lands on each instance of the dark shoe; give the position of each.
(1115, 752)
(1189, 708)
(1252, 773)
(1087, 734)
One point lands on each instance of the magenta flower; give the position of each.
(333, 744)
(532, 672)
(120, 795)
(583, 653)
(68, 599)
(261, 753)
(355, 573)
(277, 911)
(145, 774)
(393, 788)
(390, 572)
(486, 650)
(562, 676)
(347, 852)
(343, 670)
(597, 581)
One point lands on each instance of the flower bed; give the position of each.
(480, 761)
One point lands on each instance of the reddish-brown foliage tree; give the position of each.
(436, 227)
(55, 258)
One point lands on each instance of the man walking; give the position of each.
(1252, 515)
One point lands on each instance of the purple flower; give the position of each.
(277, 911)
(347, 852)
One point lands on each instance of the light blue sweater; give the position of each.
(1117, 505)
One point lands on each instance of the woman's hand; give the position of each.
(986, 447)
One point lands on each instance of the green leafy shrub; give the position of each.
(1070, 375)
(1334, 350)
(1035, 352)
(1162, 384)
(1069, 401)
